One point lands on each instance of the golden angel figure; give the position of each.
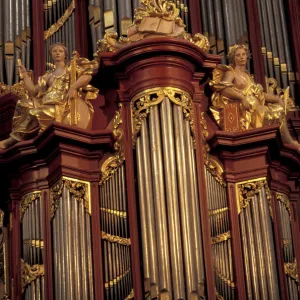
(255, 107)
(51, 99)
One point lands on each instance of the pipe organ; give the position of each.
(159, 203)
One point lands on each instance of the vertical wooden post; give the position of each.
(38, 38)
(81, 32)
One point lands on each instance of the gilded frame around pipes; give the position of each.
(284, 199)
(55, 27)
(142, 103)
(81, 190)
(30, 273)
(290, 269)
(245, 190)
(113, 162)
(27, 200)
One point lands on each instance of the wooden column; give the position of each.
(195, 16)
(38, 38)
(255, 41)
(81, 31)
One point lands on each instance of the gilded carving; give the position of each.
(17, 89)
(113, 163)
(130, 296)
(154, 18)
(55, 27)
(143, 102)
(56, 193)
(116, 239)
(285, 201)
(118, 213)
(30, 273)
(34, 243)
(248, 189)
(221, 238)
(80, 190)
(290, 270)
(217, 211)
(27, 200)
(225, 279)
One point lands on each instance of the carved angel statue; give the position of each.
(61, 95)
(234, 84)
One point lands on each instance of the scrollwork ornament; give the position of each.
(221, 238)
(78, 190)
(290, 270)
(17, 89)
(249, 189)
(114, 162)
(56, 193)
(30, 273)
(27, 200)
(285, 201)
(142, 104)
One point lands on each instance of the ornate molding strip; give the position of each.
(130, 296)
(217, 211)
(142, 103)
(113, 163)
(55, 27)
(27, 200)
(118, 213)
(77, 188)
(111, 283)
(284, 199)
(246, 190)
(221, 238)
(225, 280)
(34, 243)
(30, 273)
(116, 239)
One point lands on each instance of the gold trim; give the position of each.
(286, 243)
(215, 169)
(27, 200)
(111, 283)
(17, 89)
(34, 243)
(284, 199)
(113, 163)
(115, 239)
(217, 211)
(81, 190)
(290, 269)
(1, 217)
(142, 103)
(245, 190)
(221, 238)
(269, 55)
(225, 280)
(130, 296)
(276, 61)
(55, 27)
(264, 50)
(283, 67)
(118, 213)
(30, 273)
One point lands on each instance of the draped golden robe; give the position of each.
(33, 115)
(258, 115)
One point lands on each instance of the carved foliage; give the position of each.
(112, 164)
(27, 200)
(30, 273)
(142, 104)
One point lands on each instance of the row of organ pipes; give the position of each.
(65, 33)
(15, 38)
(115, 236)
(117, 15)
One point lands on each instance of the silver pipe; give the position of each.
(76, 251)
(196, 209)
(211, 26)
(269, 247)
(259, 247)
(172, 200)
(111, 5)
(89, 256)
(252, 254)
(227, 25)
(83, 251)
(159, 203)
(204, 18)
(219, 29)
(185, 206)
(143, 218)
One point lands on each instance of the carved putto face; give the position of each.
(58, 53)
(240, 57)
